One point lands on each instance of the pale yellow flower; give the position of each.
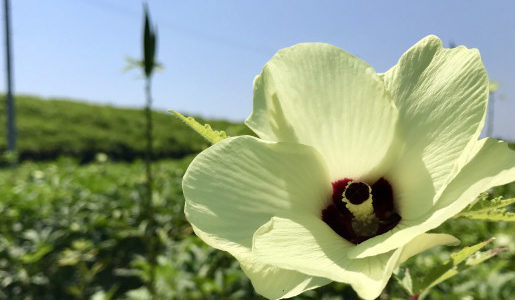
(283, 204)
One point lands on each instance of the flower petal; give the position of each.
(275, 283)
(319, 95)
(311, 247)
(426, 241)
(238, 184)
(491, 163)
(441, 95)
(268, 280)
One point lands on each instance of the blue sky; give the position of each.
(211, 50)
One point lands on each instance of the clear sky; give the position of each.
(211, 50)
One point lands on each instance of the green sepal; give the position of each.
(459, 261)
(489, 210)
(211, 135)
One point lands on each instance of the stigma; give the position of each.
(358, 200)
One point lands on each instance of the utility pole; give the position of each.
(9, 101)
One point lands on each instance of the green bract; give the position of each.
(321, 115)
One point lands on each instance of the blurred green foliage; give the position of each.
(72, 231)
(51, 128)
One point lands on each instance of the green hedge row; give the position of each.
(51, 128)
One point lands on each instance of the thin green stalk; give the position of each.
(149, 139)
(149, 208)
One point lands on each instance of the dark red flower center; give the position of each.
(340, 218)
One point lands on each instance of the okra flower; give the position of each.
(351, 168)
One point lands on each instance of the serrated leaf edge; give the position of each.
(489, 209)
(452, 266)
(211, 135)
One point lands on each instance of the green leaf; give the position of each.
(491, 215)
(489, 210)
(132, 63)
(211, 135)
(480, 257)
(483, 203)
(33, 257)
(459, 261)
(403, 277)
(458, 257)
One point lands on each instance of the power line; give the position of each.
(183, 30)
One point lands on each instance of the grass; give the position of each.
(50, 128)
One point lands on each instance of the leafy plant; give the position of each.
(70, 225)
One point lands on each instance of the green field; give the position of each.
(71, 231)
(75, 230)
(49, 128)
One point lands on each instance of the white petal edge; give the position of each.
(319, 95)
(491, 163)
